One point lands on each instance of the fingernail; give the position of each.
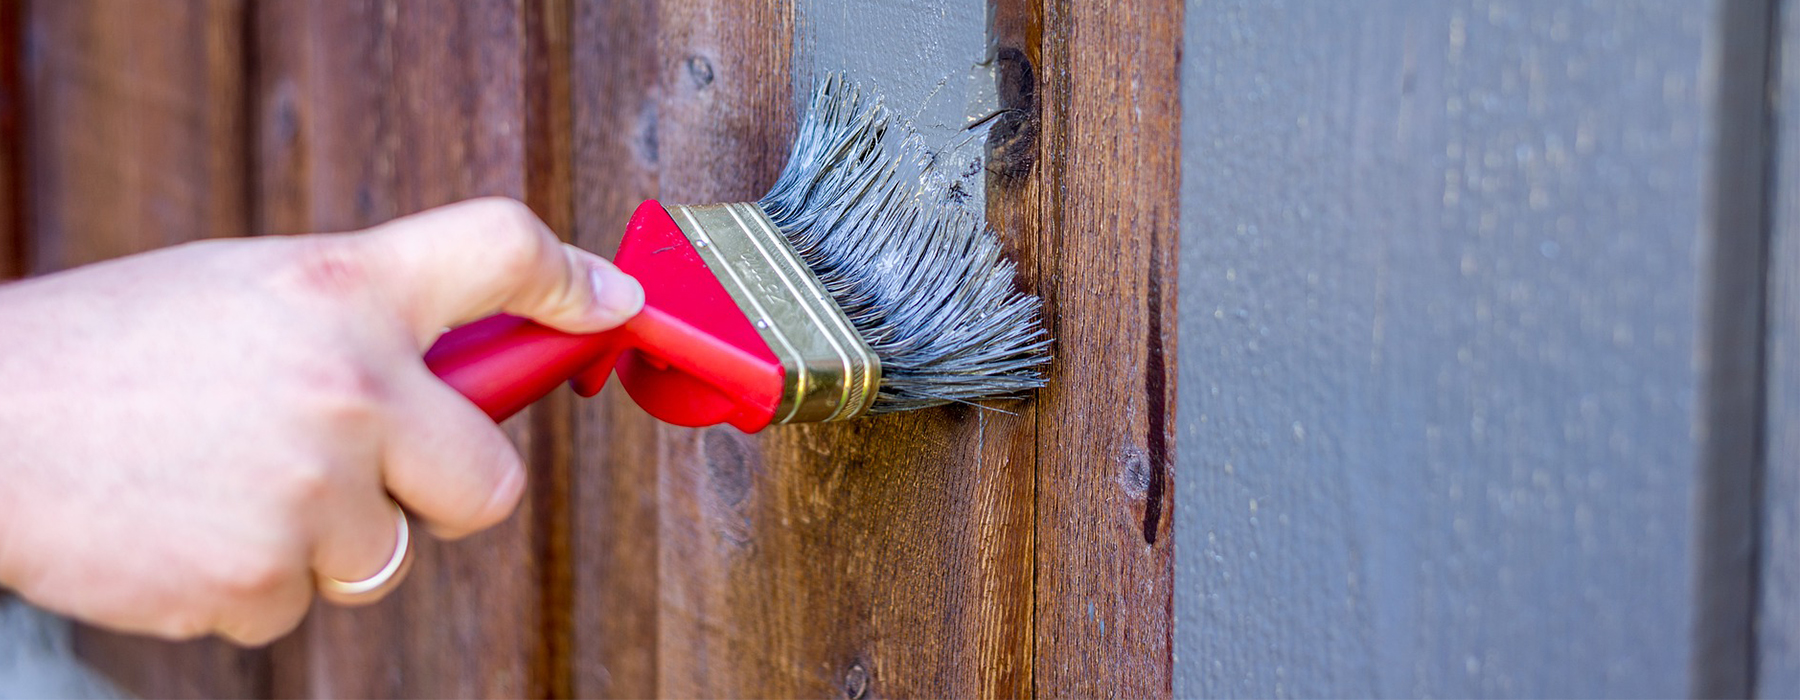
(617, 296)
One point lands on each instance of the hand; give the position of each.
(187, 435)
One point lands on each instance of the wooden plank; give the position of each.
(884, 557)
(12, 142)
(137, 143)
(370, 110)
(1463, 348)
(614, 531)
(1778, 612)
(1106, 256)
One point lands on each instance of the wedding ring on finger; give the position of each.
(374, 587)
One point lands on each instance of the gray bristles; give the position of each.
(925, 285)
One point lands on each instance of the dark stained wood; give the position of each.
(137, 142)
(549, 166)
(884, 557)
(1106, 255)
(1467, 290)
(12, 142)
(613, 528)
(953, 552)
(370, 110)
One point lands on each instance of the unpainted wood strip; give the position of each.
(1106, 265)
(549, 153)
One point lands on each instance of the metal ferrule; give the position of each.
(831, 373)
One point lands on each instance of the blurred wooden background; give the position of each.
(955, 552)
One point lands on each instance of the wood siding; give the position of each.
(1476, 392)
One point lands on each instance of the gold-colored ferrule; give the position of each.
(831, 372)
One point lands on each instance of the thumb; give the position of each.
(457, 263)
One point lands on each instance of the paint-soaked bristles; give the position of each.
(924, 283)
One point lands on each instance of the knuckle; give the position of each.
(271, 622)
(182, 625)
(515, 240)
(304, 485)
(342, 389)
(257, 576)
(324, 266)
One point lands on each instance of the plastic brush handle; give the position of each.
(690, 358)
(504, 363)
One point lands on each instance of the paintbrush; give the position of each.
(843, 292)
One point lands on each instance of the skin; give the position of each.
(188, 435)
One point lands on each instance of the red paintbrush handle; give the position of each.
(678, 372)
(690, 357)
(504, 363)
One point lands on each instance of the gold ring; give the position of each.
(374, 587)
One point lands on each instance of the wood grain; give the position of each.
(885, 557)
(1106, 255)
(613, 526)
(138, 142)
(370, 110)
(1462, 290)
(13, 175)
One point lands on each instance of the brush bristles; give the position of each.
(924, 284)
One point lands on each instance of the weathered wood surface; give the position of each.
(615, 71)
(12, 142)
(1464, 301)
(1106, 256)
(137, 142)
(370, 110)
(880, 558)
(952, 552)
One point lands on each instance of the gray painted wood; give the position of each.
(1459, 410)
(1778, 620)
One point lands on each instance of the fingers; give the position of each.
(270, 614)
(357, 539)
(457, 263)
(446, 461)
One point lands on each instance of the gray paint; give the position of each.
(37, 659)
(928, 59)
(1778, 672)
(1445, 348)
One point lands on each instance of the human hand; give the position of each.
(188, 435)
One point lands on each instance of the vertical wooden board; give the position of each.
(1453, 360)
(137, 142)
(1778, 612)
(370, 110)
(885, 557)
(1106, 258)
(613, 524)
(12, 142)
